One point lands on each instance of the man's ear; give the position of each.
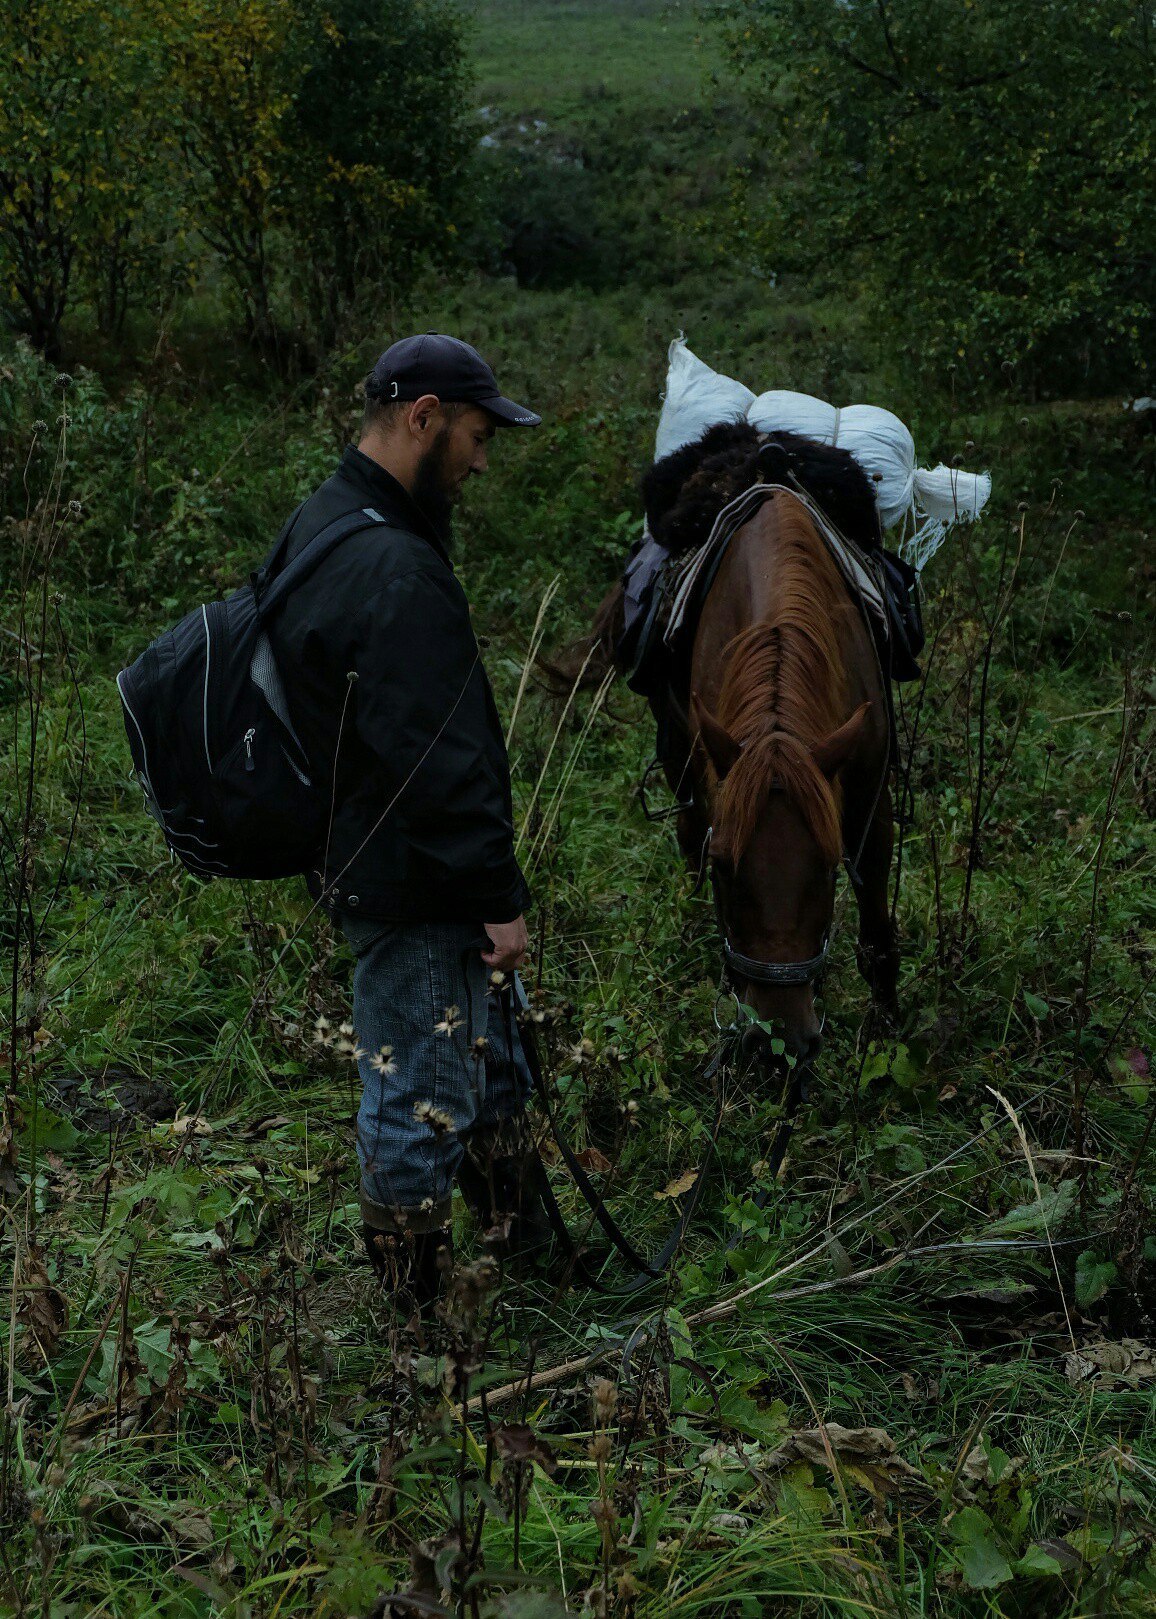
(834, 751)
(721, 748)
(421, 413)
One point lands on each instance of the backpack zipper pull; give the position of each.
(249, 735)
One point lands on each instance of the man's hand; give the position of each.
(510, 942)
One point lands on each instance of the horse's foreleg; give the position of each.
(878, 949)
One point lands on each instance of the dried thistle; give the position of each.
(439, 1121)
(605, 1396)
(452, 1020)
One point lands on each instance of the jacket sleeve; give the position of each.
(425, 708)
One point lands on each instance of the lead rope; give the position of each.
(645, 1269)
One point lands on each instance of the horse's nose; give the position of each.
(806, 1047)
(755, 1043)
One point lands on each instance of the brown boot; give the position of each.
(504, 1183)
(409, 1264)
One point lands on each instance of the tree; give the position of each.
(985, 171)
(238, 64)
(383, 113)
(75, 139)
(327, 147)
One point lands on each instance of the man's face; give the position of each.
(458, 449)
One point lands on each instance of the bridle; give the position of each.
(778, 974)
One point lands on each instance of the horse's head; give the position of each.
(775, 849)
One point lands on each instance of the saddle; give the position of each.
(664, 594)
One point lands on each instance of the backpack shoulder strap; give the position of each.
(269, 594)
(260, 577)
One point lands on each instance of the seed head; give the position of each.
(452, 1020)
(382, 1062)
(599, 1448)
(439, 1121)
(605, 1400)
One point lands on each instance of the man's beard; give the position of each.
(430, 491)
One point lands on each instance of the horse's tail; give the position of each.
(583, 664)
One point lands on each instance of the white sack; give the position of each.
(696, 398)
(924, 501)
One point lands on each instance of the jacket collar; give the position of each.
(386, 495)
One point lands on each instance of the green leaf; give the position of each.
(741, 1413)
(799, 1496)
(1037, 1561)
(1094, 1276)
(1044, 1213)
(1038, 1008)
(981, 1558)
(54, 1133)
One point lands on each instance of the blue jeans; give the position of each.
(454, 1064)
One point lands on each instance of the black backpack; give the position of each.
(223, 771)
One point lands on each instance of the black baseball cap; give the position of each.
(436, 364)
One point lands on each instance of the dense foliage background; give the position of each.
(988, 169)
(920, 1382)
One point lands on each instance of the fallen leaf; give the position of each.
(517, 1443)
(865, 1455)
(43, 1309)
(593, 1161)
(978, 1468)
(681, 1183)
(1128, 1364)
(188, 1525)
(262, 1127)
(191, 1123)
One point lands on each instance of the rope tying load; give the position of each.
(923, 502)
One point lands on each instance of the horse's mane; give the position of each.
(785, 689)
(684, 492)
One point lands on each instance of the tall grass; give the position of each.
(208, 1408)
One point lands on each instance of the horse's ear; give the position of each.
(721, 748)
(834, 751)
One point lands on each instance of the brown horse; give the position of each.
(788, 763)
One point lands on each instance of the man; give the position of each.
(388, 693)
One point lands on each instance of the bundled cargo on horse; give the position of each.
(922, 502)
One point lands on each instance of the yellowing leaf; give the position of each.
(681, 1183)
